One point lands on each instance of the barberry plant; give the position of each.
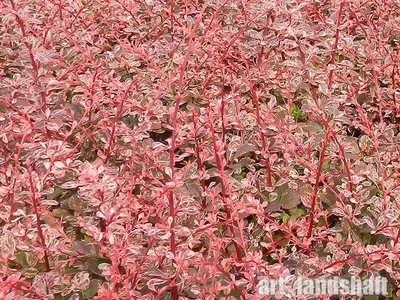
(154, 149)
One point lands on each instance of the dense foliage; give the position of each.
(154, 149)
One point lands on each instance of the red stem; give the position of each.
(174, 119)
(118, 115)
(199, 160)
(317, 181)
(34, 64)
(335, 44)
(36, 210)
(221, 168)
(314, 94)
(264, 144)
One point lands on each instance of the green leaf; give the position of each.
(243, 150)
(354, 230)
(93, 264)
(59, 297)
(329, 198)
(366, 238)
(58, 213)
(284, 216)
(371, 297)
(235, 294)
(92, 290)
(297, 211)
(313, 127)
(75, 203)
(239, 176)
(297, 113)
(325, 165)
(20, 258)
(88, 239)
(290, 199)
(51, 221)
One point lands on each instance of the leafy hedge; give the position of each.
(155, 149)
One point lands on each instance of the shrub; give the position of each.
(185, 149)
